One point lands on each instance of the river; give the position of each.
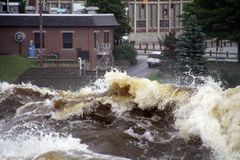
(120, 117)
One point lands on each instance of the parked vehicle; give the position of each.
(155, 58)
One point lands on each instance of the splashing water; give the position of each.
(213, 114)
(30, 145)
(120, 116)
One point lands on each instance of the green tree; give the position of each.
(170, 43)
(190, 48)
(118, 8)
(125, 51)
(218, 18)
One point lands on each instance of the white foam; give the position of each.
(147, 135)
(4, 86)
(143, 92)
(28, 146)
(213, 114)
(42, 90)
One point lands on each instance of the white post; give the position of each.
(135, 16)
(72, 7)
(80, 66)
(59, 4)
(181, 11)
(146, 20)
(97, 71)
(158, 16)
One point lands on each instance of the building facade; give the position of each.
(56, 6)
(64, 34)
(152, 19)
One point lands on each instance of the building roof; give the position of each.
(61, 20)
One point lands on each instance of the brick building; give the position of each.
(62, 33)
(151, 19)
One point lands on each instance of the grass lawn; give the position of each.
(12, 66)
(155, 77)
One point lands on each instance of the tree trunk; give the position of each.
(238, 45)
(217, 45)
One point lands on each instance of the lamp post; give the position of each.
(40, 33)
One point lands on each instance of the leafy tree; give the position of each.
(218, 18)
(117, 7)
(125, 51)
(190, 48)
(170, 44)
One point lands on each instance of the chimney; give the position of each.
(92, 10)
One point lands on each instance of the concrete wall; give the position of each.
(59, 78)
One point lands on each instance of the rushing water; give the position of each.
(120, 117)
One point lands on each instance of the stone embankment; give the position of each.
(67, 78)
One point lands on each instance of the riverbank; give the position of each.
(12, 66)
(228, 73)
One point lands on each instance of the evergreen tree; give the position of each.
(190, 49)
(117, 7)
(170, 43)
(219, 19)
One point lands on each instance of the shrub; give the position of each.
(125, 52)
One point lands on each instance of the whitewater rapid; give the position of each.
(206, 112)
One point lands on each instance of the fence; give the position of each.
(222, 43)
(152, 46)
(227, 53)
(221, 56)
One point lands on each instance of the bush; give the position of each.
(125, 52)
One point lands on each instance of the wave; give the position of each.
(38, 144)
(207, 111)
(213, 114)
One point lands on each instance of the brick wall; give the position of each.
(82, 38)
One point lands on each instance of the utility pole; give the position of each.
(7, 6)
(40, 33)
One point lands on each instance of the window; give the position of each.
(141, 23)
(152, 15)
(165, 12)
(67, 40)
(37, 39)
(95, 39)
(164, 23)
(106, 36)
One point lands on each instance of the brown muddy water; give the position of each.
(120, 117)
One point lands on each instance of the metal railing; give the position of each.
(221, 56)
(103, 48)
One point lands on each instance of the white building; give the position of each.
(151, 19)
(57, 6)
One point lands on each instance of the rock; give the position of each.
(51, 156)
